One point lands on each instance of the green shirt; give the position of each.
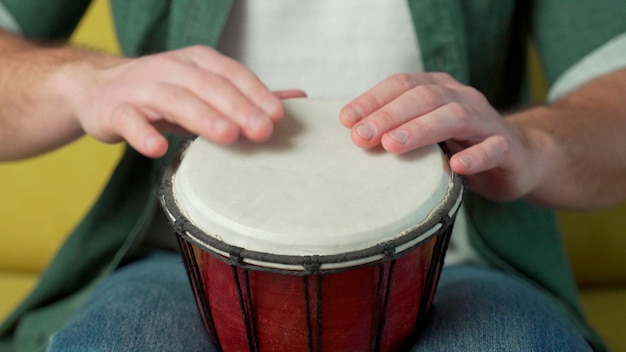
(481, 43)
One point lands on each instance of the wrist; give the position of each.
(72, 78)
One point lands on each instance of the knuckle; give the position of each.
(229, 67)
(207, 82)
(119, 122)
(120, 115)
(167, 95)
(428, 95)
(162, 63)
(403, 81)
(502, 145)
(366, 103)
(444, 77)
(474, 94)
(196, 51)
(386, 117)
(178, 106)
(459, 113)
(483, 155)
(492, 151)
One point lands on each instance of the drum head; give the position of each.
(308, 190)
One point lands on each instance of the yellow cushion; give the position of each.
(596, 243)
(606, 311)
(44, 197)
(96, 30)
(14, 287)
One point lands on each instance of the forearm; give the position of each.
(35, 117)
(579, 145)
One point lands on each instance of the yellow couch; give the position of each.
(43, 199)
(596, 244)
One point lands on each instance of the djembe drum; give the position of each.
(308, 243)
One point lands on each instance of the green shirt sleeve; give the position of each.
(565, 34)
(47, 19)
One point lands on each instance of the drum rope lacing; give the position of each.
(384, 284)
(193, 272)
(379, 328)
(247, 312)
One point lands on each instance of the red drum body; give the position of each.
(316, 297)
(371, 308)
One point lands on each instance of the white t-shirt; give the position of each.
(325, 47)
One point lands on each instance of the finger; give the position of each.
(385, 92)
(410, 105)
(226, 99)
(133, 127)
(450, 121)
(491, 153)
(244, 79)
(182, 107)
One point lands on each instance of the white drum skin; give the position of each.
(308, 190)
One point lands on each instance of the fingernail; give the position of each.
(366, 130)
(152, 142)
(466, 161)
(156, 145)
(352, 114)
(399, 136)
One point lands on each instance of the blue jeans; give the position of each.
(148, 306)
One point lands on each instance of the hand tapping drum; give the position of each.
(308, 243)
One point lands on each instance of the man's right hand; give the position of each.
(195, 90)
